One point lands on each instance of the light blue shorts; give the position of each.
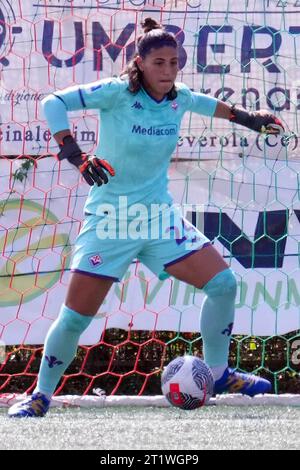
(106, 248)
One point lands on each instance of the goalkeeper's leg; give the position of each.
(206, 269)
(85, 295)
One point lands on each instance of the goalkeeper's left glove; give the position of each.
(261, 121)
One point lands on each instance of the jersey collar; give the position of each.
(152, 99)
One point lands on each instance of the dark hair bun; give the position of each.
(149, 24)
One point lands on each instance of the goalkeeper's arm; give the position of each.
(260, 121)
(93, 169)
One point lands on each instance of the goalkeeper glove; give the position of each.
(260, 121)
(91, 167)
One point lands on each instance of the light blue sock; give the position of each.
(60, 348)
(217, 316)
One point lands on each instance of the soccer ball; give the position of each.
(187, 382)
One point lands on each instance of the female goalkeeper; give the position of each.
(141, 112)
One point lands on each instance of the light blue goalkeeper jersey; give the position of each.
(137, 135)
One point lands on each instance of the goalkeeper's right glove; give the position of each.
(91, 167)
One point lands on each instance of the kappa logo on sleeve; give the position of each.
(98, 86)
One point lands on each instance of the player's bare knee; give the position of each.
(86, 294)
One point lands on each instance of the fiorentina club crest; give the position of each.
(95, 260)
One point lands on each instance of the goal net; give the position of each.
(239, 188)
